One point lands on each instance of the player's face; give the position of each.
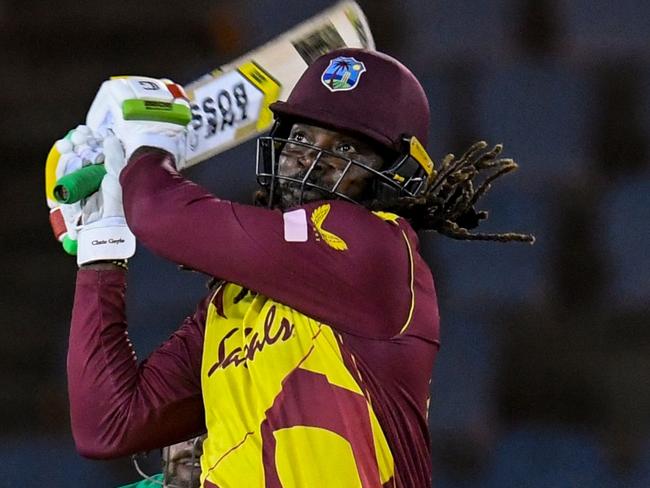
(296, 160)
(182, 463)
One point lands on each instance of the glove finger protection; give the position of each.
(104, 233)
(114, 157)
(77, 149)
(141, 111)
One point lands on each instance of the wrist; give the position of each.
(142, 150)
(107, 239)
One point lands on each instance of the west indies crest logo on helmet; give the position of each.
(342, 74)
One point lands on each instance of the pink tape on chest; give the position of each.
(295, 225)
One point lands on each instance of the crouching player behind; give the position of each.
(309, 363)
(180, 467)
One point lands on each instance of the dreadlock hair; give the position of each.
(447, 204)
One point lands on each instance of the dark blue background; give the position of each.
(543, 378)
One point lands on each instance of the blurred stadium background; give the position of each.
(543, 379)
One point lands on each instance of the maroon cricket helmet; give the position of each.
(363, 92)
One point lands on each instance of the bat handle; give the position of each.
(82, 183)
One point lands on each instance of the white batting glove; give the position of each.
(140, 111)
(103, 234)
(94, 228)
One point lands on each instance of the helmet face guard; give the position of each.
(406, 176)
(358, 92)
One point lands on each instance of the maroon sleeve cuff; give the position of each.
(100, 277)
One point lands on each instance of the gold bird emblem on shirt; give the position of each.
(318, 216)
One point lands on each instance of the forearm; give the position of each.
(178, 219)
(118, 407)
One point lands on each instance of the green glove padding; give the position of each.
(69, 245)
(156, 111)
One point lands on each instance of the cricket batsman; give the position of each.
(309, 361)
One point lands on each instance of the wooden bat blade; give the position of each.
(230, 104)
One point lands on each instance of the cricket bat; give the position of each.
(230, 104)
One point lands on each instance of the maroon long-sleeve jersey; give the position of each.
(311, 362)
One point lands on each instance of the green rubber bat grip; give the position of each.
(80, 184)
